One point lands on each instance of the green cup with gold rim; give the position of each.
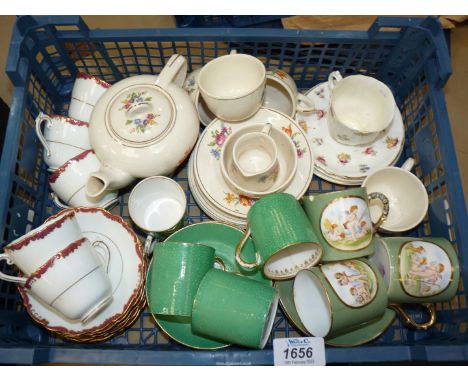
(178, 269)
(234, 309)
(282, 235)
(417, 271)
(343, 223)
(339, 297)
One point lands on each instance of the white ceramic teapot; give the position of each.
(142, 126)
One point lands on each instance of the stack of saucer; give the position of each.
(344, 164)
(126, 270)
(207, 183)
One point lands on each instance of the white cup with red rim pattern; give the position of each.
(68, 183)
(86, 92)
(62, 138)
(74, 280)
(33, 249)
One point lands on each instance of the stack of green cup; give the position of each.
(220, 306)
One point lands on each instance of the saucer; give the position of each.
(285, 291)
(356, 337)
(205, 204)
(207, 169)
(126, 270)
(342, 164)
(223, 238)
(365, 334)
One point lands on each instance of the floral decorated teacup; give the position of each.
(343, 223)
(361, 107)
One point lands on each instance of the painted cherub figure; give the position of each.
(351, 221)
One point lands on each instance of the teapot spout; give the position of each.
(106, 179)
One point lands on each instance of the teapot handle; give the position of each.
(174, 71)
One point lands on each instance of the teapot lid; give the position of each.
(140, 115)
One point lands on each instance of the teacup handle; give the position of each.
(408, 165)
(267, 128)
(174, 71)
(309, 104)
(13, 279)
(239, 247)
(41, 118)
(148, 244)
(333, 79)
(385, 209)
(418, 325)
(61, 205)
(233, 51)
(104, 255)
(57, 201)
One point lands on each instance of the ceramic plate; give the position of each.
(223, 238)
(348, 163)
(365, 334)
(207, 154)
(126, 270)
(205, 204)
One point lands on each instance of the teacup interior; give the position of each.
(312, 304)
(291, 259)
(269, 321)
(278, 98)
(362, 103)
(232, 76)
(408, 200)
(382, 261)
(254, 153)
(156, 204)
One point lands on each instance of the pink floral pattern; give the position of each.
(320, 113)
(321, 159)
(219, 137)
(370, 151)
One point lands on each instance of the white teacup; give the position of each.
(205, 116)
(73, 281)
(63, 138)
(281, 94)
(255, 160)
(361, 107)
(86, 92)
(407, 196)
(157, 205)
(33, 249)
(69, 183)
(233, 86)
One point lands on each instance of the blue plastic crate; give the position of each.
(410, 55)
(228, 21)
